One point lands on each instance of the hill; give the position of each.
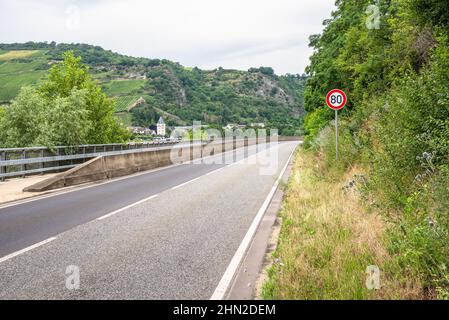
(215, 96)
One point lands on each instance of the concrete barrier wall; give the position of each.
(102, 168)
(282, 138)
(228, 145)
(211, 149)
(239, 144)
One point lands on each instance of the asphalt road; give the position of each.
(175, 245)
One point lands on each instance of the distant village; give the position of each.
(160, 130)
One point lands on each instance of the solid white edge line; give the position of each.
(127, 207)
(233, 266)
(34, 246)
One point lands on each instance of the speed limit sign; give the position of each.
(336, 99)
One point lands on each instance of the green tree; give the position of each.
(31, 120)
(70, 119)
(25, 122)
(67, 109)
(396, 123)
(72, 74)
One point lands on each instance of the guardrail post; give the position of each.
(3, 168)
(58, 153)
(23, 166)
(71, 160)
(41, 165)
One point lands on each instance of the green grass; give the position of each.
(15, 74)
(328, 240)
(18, 54)
(123, 87)
(123, 103)
(10, 84)
(19, 67)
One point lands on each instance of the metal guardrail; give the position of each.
(20, 162)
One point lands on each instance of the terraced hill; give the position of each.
(213, 96)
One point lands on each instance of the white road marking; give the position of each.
(185, 183)
(215, 171)
(127, 207)
(66, 190)
(34, 246)
(231, 270)
(89, 185)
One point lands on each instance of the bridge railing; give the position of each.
(21, 162)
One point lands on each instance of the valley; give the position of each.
(145, 89)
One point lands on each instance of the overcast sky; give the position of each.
(236, 34)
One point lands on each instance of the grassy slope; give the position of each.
(123, 103)
(167, 115)
(126, 93)
(123, 87)
(17, 54)
(327, 241)
(186, 93)
(14, 74)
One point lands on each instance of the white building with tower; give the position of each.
(161, 127)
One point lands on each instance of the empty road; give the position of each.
(166, 234)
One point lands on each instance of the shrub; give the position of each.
(314, 122)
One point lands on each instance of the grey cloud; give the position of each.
(205, 33)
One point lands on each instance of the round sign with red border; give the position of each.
(336, 99)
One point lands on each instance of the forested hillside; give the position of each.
(184, 94)
(392, 59)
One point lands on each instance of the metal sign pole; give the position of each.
(336, 134)
(336, 99)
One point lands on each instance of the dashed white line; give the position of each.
(215, 171)
(34, 246)
(67, 190)
(185, 183)
(127, 207)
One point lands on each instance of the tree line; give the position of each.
(392, 59)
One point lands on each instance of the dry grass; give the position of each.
(17, 54)
(327, 241)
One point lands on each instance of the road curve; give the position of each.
(175, 243)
